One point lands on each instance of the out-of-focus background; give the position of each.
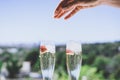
(24, 23)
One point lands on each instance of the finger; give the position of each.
(74, 11)
(57, 13)
(78, 8)
(58, 10)
(61, 14)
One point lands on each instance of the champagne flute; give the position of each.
(74, 59)
(47, 59)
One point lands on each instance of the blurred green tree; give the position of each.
(0, 65)
(90, 73)
(36, 66)
(32, 56)
(114, 67)
(101, 63)
(13, 68)
(61, 62)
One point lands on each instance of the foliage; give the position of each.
(90, 73)
(114, 67)
(0, 65)
(13, 68)
(60, 75)
(5, 56)
(101, 63)
(105, 57)
(33, 56)
(61, 61)
(36, 66)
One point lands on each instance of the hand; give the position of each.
(73, 6)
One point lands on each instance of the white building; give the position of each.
(26, 68)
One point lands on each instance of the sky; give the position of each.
(31, 21)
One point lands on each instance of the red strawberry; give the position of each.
(43, 49)
(69, 52)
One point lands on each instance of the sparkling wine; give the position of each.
(47, 65)
(74, 65)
